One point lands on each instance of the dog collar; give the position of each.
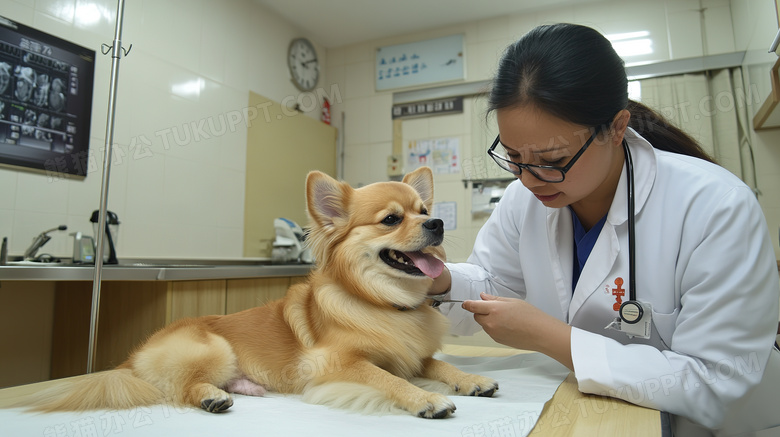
(405, 308)
(433, 300)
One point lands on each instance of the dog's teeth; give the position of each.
(398, 258)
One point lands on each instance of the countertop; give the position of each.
(154, 269)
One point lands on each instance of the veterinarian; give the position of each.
(551, 269)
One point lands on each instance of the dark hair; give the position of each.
(573, 73)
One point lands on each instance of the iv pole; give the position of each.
(116, 53)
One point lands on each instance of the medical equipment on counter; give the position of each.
(289, 243)
(83, 248)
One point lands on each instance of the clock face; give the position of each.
(303, 64)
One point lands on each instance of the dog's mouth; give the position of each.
(414, 263)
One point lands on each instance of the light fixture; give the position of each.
(630, 44)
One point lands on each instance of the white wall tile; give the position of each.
(6, 225)
(493, 29)
(416, 128)
(358, 120)
(19, 11)
(41, 193)
(358, 80)
(482, 59)
(356, 172)
(685, 28)
(8, 182)
(447, 125)
(63, 10)
(359, 53)
(380, 123)
(718, 27)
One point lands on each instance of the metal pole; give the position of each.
(116, 53)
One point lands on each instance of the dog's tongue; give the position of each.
(428, 264)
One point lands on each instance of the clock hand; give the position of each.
(309, 61)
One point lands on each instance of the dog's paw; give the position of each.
(216, 405)
(438, 407)
(475, 385)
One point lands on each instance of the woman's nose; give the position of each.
(529, 180)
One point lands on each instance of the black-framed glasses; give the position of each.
(545, 173)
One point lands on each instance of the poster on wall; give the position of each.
(448, 213)
(421, 62)
(45, 101)
(440, 154)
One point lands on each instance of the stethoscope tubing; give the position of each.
(631, 224)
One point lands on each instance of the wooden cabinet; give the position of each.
(130, 311)
(195, 298)
(249, 293)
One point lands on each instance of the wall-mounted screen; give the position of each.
(45, 101)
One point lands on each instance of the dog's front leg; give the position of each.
(401, 392)
(463, 383)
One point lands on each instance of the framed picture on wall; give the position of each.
(45, 101)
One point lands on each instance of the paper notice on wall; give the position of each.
(448, 213)
(441, 154)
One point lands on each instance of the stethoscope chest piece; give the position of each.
(631, 312)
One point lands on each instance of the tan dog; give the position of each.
(353, 334)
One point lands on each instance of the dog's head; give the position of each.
(379, 240)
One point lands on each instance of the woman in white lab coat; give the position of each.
(550, 268)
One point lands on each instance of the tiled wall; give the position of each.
(178, 193)
(678, 31)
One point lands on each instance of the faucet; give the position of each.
(39, 241)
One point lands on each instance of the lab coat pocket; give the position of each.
(664, 324)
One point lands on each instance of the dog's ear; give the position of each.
(422, 182)
(326, 199)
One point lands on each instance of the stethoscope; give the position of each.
(631, 311)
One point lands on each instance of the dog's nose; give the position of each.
(435, 225)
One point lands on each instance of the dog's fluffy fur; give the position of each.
(352, 336)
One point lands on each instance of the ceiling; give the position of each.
(336, 23)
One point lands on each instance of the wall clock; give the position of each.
(303, 64)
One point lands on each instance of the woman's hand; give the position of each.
(517, 323)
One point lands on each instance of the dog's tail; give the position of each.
(116, 389)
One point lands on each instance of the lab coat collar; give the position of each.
(644, 161)
(560, 238)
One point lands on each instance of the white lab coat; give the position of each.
(705, 264)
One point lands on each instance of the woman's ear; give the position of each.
(618, 127)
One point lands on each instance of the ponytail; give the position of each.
(663, 135)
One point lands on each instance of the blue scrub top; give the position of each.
(583, 244)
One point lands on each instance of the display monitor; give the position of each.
(45, 101)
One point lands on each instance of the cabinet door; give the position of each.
(129, 313)
(195, 299)
(282, 147)
(248, 293)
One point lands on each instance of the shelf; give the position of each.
(768, 116)
(485, 181)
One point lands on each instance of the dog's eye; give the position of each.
(424, 211)
(391, 220)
